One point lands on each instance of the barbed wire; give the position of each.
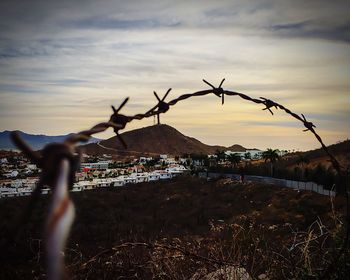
(119, 121)
(59, 222)
(52, 154)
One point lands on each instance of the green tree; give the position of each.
(220, 155)
(234, 159)
(248, 155)
(271, 156)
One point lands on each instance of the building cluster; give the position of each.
(19, 177)
(247, 155)
(16, 166)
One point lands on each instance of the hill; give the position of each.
(157, 139)
(37, 142)
(340, 150)
(237, 148)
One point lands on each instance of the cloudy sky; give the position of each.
(63, 63)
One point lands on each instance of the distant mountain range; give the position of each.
(164, 139)
(156, 139)
(37, 142)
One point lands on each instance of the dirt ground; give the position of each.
(216, 219)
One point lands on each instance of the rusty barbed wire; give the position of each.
(218, 91)
(162, 106)
(269, 104)
(59, 222)
(52, 154)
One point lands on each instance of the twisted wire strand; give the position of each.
(59, 222)
(85, 135)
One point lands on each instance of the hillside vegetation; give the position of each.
(316, 157)
(182, 227)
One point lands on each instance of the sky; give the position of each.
(64, 63)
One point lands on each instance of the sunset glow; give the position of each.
(62, 65)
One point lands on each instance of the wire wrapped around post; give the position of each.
(59, 222)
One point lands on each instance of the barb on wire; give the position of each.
(162, 106)
(218, 91)
(120, 120)
(269, 104)
(309, 125)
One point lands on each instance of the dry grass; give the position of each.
(174, 229)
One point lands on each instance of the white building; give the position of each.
(11, 174)
(254, 154)
(144, 160)
(130, 180)
(118, 182)
(170, 160)
(83, 185)
(281, 153)
(153, 177)
(24, 191)
(77, 188)
(31, 182)
(140, 177)
(95, 165)
(17, 183)
(175, 170)
(163, 174)
(31, 166)
(45, 191)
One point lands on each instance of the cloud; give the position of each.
(309, 29)
(73, 59)
(289, 26)
(105, 23)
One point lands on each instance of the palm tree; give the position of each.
(235, 159)
(248, 155)
(271, 156)
(220, 155)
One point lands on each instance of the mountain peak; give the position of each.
(236, 148)
(155, 139)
